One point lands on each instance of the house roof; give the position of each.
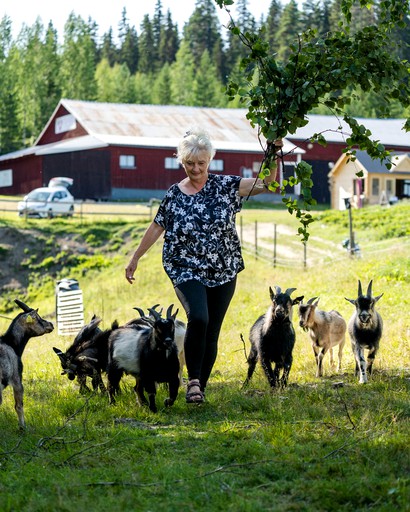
(366, 163)
(164, 125)
(388, 131)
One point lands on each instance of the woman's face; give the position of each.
(196, 166)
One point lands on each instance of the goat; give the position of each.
(180, 331)
(327, 329)
(149, 353)
(87, 356)
(272, 339)
(24, 326)
(365, 330)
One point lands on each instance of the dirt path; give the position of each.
(288, 245)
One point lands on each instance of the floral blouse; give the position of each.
(201, 241)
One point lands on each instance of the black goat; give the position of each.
(149, 353)
(87, 356)
(272, 339)
(365, 329)
(24, 326)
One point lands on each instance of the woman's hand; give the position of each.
(130, 270)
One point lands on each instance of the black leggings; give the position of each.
(205, 308)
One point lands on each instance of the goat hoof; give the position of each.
(168, 402)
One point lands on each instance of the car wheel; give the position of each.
(50, 214)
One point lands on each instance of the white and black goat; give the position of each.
(87, 356)
(272, 339)
(150, 354)
(24, 326)
(365, 330)
(327, 329)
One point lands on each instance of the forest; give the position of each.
(158, 62)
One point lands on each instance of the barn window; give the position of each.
(216, 165)
(375, 186)
(171, 163)
(127, 162)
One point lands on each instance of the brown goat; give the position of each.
(327, 329)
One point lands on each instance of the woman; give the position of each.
(202, 252)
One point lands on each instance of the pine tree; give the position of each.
(289, 29)
(169, 42)
(183, 76)
(78, 60)
(146, 51)
(202, 30)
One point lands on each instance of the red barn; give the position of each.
(127, 151)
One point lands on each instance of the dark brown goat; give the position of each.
(87, 356)
(24, 326)
(365, 330)
(272, 339)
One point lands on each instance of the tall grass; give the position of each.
(319, 445)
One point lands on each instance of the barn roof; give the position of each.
(163, 125)
(388, 131)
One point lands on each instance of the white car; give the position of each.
(48, 201)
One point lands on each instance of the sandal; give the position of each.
(194, 396)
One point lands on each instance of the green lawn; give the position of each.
(319, 445)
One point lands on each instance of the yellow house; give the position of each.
(378, 185)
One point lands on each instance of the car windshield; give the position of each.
(38, 195)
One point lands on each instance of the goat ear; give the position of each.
(352, 301)
(154, 314)
(29, 319)
(296, 300)
(57, 351)
(378, 297)
(272, 293)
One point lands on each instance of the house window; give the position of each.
(171, 163)
(390, 188)
(375, 186)
(127, 162)
(216, 165)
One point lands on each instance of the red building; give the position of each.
(126, 151)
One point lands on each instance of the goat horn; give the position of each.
(140, 311)
(359, 290)
(369, 289)
(277, 290)
(310, 301)
(154, 313)
(289, 291)
(169, 311)
(23, 306)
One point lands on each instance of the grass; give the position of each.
(314, 446)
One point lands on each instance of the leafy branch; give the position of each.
(319, 70)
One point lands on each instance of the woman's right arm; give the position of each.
(152, 234)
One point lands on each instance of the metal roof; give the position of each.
(165, 125)
(388, 131)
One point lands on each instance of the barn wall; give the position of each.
(26, 175)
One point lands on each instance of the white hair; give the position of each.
(196, 140)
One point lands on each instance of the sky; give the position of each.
(107, 13)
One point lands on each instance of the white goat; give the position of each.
(327, 329)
